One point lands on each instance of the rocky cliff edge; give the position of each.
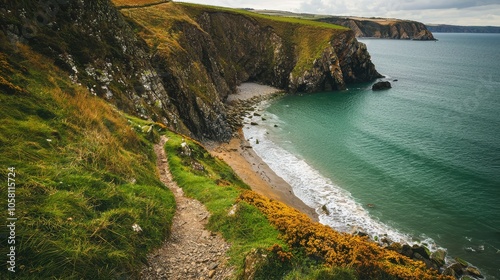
(383, 27)
(177, 63)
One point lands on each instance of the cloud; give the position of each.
(458, 12)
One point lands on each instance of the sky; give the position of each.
(455, 12)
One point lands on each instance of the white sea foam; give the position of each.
(317, 191)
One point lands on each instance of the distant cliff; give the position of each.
(177, 63)
(462, 29)
(383, 28)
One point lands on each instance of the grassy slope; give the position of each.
(84, 176)
(221, 191)
(308, 38)
(297, 248)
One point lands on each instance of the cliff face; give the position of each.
(383, 28)
(445, 28)
(217, 50)
(176, 64)
(344, 60)
(96, 46)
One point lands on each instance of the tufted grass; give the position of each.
(84, 176)
(218, 188)
(308, 37)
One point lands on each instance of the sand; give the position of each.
(250, 90)
(250, 167)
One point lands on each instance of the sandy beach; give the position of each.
(249, 166)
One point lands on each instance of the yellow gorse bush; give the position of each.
(338, 249)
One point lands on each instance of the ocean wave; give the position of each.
(335, 206)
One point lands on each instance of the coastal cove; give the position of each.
(418, 162)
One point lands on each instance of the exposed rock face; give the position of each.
(182, 75)
(97, 47)
(383, 28)
(381, 85)
(345, 60)
(462, 29)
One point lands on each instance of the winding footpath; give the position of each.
(191, 251)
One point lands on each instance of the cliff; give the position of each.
(383, 28)
(445, 28)
(177, 63)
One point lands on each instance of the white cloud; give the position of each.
(458, 12)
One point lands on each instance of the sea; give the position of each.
(418, 163)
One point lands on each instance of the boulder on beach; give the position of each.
(438, 257)
(382, 85)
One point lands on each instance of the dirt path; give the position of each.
(191, 252)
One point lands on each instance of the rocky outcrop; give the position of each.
(98, 48)
(344, 60)
(445, 28)
(381, 85)
(383, 28)
(179, 66)
(218, 50)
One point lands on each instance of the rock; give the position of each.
(325, 209)
(254, 123)
(407, 251)
(386, 241)
(428, 263)
(449, 272)
(439, 257)
(255, 259)
(473, 271)
(213, 266)
(462, 262)
(394, 29)
(362, 234)
(395, 246)
(211, 273)
(457, 268)
(422, 250)
(382, 85)
(275, 125)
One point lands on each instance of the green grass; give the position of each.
(309, 38)
(276, 18)
(218, 188)
(84, 176)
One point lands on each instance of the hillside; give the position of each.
(445, 28)
(383, 27)
(84, 175)
(374, 27)
(88, 89)
(180, 77)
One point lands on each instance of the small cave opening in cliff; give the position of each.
(302, 88)
(328, 83)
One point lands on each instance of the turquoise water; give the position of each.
(425, 155)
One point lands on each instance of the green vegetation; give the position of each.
(213, 182)
(308, 37)
(276, 18)
(84, 176)
(304, 39)
(88, 199)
